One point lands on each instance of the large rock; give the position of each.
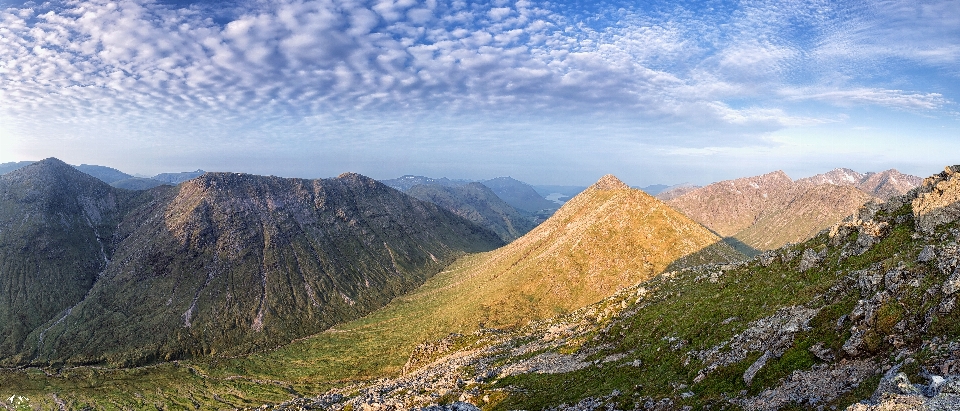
(937, 200)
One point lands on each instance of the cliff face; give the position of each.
(229, 263)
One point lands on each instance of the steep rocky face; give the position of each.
(229, 263)
(477, 203)
(768, 211)
(56, 229)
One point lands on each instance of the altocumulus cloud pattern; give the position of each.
(750, 66)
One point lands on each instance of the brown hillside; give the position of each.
(767, 211)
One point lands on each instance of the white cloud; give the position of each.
(890, 98)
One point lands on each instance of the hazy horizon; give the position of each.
(548, 93)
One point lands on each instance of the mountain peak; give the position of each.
(609, 182)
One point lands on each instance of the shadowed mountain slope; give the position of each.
(56, 226)
(477, 203)
(223, 264)
(520, 195)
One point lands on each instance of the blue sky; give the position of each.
(546, 92)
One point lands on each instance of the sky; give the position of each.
(546, 92)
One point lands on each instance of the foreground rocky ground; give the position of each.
(861, 317)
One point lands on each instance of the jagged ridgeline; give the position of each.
(222, 264)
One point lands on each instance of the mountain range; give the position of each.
(768, 211)
(238, 290)
(861, 317)
(223, 263)
(117, 178)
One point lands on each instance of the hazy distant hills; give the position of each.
(8, 167)
(477, 203)
(528, 206)
(674, 191)
(224, 263)
(520, 195)
(177, 178)
(770, 210)
(409, 181)
(117, 178)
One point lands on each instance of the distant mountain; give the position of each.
(767, 211)
(675, 191)
(569, 191)
(106, 174)
(137, 183)
(225, 263)
(477, 203)
(654, 189)
(8, 167)
(177, 178)
(409, 181)
(520, 195)
(884, 184)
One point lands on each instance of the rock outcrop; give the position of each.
(938, 200)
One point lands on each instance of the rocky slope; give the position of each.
(885, 184)
(477, 203)
(863, 316)
(770, 210)
(222, 264)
